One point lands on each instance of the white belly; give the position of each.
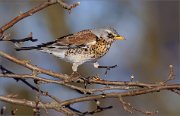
(59, 53)
(78, 58)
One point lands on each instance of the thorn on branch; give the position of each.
(171, 75)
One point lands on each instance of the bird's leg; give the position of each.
(75, 75)
(96, 65)
(75, 66)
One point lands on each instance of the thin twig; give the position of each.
(19, 41)
(132, 88)
(107, 68)
(129, 108)
(171, 75)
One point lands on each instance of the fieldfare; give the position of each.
(78, 48)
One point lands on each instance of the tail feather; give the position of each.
(38, 47)
(28, 48)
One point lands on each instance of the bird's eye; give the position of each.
(110, 35)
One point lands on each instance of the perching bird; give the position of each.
(78, 48)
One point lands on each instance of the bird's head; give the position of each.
(109, 34)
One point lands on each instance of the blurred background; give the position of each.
(151, 28)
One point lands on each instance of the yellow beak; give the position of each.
(118, 37)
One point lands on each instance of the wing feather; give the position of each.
(80, 39)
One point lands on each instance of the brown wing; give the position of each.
(82, 38)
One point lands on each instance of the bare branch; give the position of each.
(171, 75)
(19, 41)
(33, 11)
(89, 98)
(140, 88)
(92, 93)
(31, 67)
(68, 7)
(129, 108)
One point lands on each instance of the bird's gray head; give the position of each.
(108, 34)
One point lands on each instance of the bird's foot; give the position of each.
(75, 74)
(78, 78)
(74, 77)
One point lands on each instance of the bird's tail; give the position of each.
(28, 48)
(38, 47)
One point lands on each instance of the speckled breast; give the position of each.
(100, 48)
(87, 54)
